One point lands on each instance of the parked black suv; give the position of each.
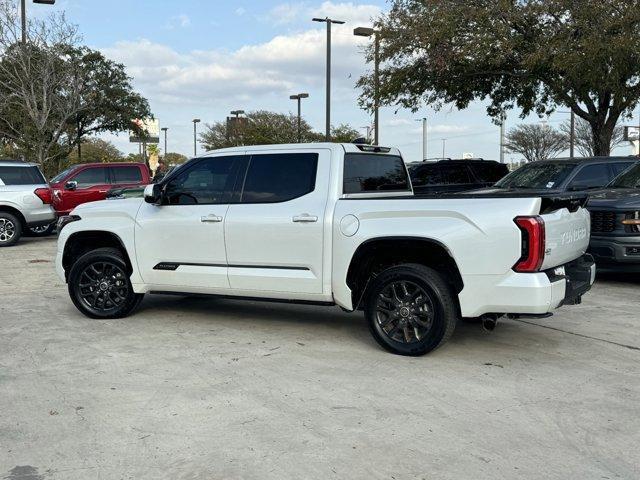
(446, 175)
(565, 174)
(615, 223)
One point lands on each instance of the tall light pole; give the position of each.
(572, 135)
(502, 139)
(370, 32)
(195, 121)
(23, 14)
(444, 144)
(237, 114)
(329, 22)
(299, 98)
(164, 129)
(424, 137)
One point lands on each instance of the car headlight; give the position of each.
(66, 220)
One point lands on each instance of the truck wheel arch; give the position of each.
(376, 254)
(82, 242)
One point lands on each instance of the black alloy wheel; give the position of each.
(100, 287)
(411, 309)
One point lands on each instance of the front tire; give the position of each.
(410, 309)
(10, 229)
(99, 285)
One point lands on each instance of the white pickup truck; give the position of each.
(334, 224)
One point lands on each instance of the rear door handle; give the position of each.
(305, 218)
(211, 219)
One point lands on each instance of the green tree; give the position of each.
(95, 150)
(108, 101)
(535, 142)
(530, 54)
(173, 158)
(267, 128)
(257, 128)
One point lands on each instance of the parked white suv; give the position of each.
(25, 201)
(336, 224)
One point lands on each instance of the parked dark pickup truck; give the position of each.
(615, 223)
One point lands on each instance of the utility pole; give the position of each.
(370, 32)
(299, 98)
(502, 139)
(164, 129)
(424, 138)
(572, 135)
(329, 22)
(195, 121)
(23, 15)
(444, 143)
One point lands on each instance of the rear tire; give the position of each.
(10, 229)
(99, 285)
(410, 309)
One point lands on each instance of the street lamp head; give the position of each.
(293, 97)
(196, 120)
(363, 31)
(45, 2)
(328, 20)
(303, 95)
(164, 129)
(237, 112)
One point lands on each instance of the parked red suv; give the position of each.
(90, 182)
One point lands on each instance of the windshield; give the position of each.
(629, 179)
(61, 175)
(537, 175)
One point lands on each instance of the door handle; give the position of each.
(211, 219)
(305, 218)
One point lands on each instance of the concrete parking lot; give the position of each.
(223, 389)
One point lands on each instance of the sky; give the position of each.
(204, 58)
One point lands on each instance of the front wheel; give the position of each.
(410, 309)
(100, 287)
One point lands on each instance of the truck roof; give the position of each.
(346, 147)
(16, 163)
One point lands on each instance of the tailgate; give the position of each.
(567, 236)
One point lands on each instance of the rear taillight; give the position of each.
(44, 194)
(533, 240)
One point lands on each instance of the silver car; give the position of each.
(25, 201)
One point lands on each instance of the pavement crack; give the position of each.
(630, 347)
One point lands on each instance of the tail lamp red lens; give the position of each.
(533, 244)
(44, 194)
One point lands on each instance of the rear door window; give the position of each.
(425, 175)
(128, 174)
(366, 173)
(279, 177)
(91, 176)
(455, 174)
(591, 176)
(21, 176)
(489, 172)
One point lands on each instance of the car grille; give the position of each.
(603, 221)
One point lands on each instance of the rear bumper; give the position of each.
(37, 217)
(578, 277)
(616, 252)
(527, 293)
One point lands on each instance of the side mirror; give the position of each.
(153, 194)
(72, 185)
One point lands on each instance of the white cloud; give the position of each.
(240, 11)
(348, 12)
(447, 129)
(285, 13)
(182, 21)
